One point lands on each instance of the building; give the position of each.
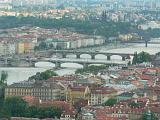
(7, 48)
(25, 43)
(100, 95)
(76, 93)
(87, 116)
(24, 88)
(40, 89)
(121, 111)
(24, 47)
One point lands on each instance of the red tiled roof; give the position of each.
(145, 77)
(78, 88)
(31, 100)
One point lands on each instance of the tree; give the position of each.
(4, 76)
(110, 102)
(4, 114)
(15, 106)
(32, 111)
(135, 58)
(46, 112)
(43, 75)
(43, 46)
(141, 57)
(50, 112)
(149, 116)
(134, 104)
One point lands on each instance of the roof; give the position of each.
(102, 90)
(145, 77)
(127, 94)
(23, 84)
(78, 88)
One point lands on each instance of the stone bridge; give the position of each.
(78, 54)
(84, 62)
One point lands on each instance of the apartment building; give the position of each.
(43, 90)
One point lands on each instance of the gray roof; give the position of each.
(127, 94)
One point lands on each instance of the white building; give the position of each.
(151, 24)
(7, 48)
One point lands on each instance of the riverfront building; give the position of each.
(39, 89)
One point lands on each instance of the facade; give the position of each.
(24, 47)
(7, 48)
(76, 42)
(99, 95)
(76, 93)
(39, 89)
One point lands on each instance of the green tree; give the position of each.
(32, 111)
(50, 112)
(43, 46)
(134, 104)
(110, 102)
(4, 114)
(149, 116)
(4, 76)
(43, 75)
(141, 57)
(46, 112)
(15, 106)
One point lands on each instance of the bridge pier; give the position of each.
(6, 61)
(108, 57)
(78, 56)
(85, 65)
(123, 58)
(57, 65)
(64, 55)
(92, 57)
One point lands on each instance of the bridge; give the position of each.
(63, 59)
(85, 62)
(78, 54)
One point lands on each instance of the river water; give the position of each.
(20, 74)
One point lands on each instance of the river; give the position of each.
(20, 74)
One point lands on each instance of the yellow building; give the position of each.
(20, 48)
(125, 37)
(24, 47)
(76, 93)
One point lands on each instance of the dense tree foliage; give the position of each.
(141, 57)
(17, 107)
(110, 102)
(3, 79)
(43, 75)
(153, 32)
(149, 116)
(106, 29)
(41, 46)
(91, 69)
(47, 112)
(134, 104)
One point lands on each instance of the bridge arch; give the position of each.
(85, 56)
(116, 57)
(44, 64)
(71, 65)
(101, 56)
(70, 55)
